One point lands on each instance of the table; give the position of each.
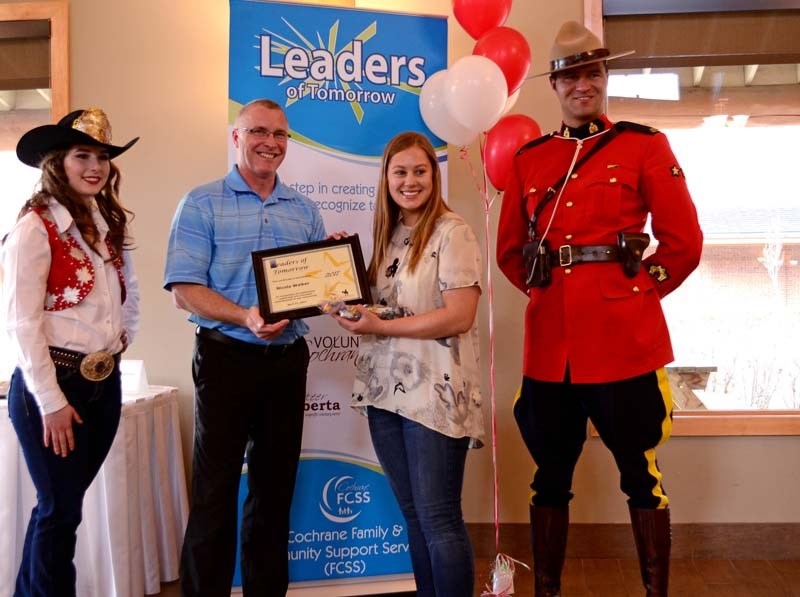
(134, 513)
(683, 381)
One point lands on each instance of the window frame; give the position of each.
(700, 423)
(57, 12)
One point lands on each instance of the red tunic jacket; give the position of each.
(606, 326)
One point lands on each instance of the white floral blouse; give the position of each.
(433, 382)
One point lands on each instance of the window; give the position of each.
(723, 86)
(34, 90)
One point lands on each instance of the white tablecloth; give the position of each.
(134, 513)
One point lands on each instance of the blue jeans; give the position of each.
(426, 471)
(46, 569)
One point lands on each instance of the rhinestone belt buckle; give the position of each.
(97, 366)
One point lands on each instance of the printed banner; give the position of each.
(349, 80)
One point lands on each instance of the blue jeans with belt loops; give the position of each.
(46, 569)
(426, 471)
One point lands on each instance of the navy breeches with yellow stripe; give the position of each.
(632, 417)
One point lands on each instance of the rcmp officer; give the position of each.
(596, 341)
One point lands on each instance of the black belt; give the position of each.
(270, 350)
(95, 366)
(568, 255)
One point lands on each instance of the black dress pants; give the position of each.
(247, 399)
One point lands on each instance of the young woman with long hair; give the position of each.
(417, 377)
(70, 306)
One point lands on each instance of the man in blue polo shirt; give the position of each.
(250, 376)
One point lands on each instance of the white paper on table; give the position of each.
(134, 377)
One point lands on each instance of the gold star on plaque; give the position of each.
(677, 171)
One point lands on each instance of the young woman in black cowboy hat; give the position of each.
(70, 302)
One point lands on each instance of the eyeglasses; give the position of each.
(259, 132)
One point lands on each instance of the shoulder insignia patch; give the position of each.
(535, 142)
(676, 170)
(636, 127)
(659, 272)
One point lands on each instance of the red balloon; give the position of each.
(478, 16)
(509, 49)
(503, 141)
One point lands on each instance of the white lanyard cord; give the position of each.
(568, 178)
(563, 186)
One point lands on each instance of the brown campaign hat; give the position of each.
(575, 46)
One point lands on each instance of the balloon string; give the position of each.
(490, 289)
(464, 155)
(487, 204)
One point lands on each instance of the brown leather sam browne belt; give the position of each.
(568, 255)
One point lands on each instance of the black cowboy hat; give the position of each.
(81, 127)
(575, 46)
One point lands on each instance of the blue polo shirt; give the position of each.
(215, 229)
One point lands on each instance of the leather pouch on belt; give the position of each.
(631, 250)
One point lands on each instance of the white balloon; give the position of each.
(436, 115)
(512, 99)
(475, 92)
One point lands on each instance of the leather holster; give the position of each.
(631, 250)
